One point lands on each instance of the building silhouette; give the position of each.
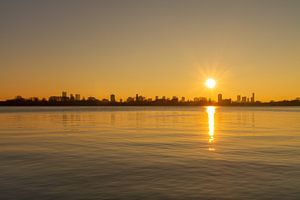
(220, 98)
(112, 98)
(244, 99)
(226, 102)
(54, 99)
(130, 99)
(139, 100)
(77, 97)
(64, 94)
(174, 99)
(253, 98)
(238, 98)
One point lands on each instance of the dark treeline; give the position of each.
(91, 101)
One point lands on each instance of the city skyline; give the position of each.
(112, 97)
(66, 99)
(150, 47)
(251, 97)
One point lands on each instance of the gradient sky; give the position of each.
(162, 47)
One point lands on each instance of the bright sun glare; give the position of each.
(210, 83)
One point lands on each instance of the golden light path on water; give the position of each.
(211, 125)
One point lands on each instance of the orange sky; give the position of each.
(152, 48)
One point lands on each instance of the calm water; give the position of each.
(150, 153)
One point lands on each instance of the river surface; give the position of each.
(149, 153)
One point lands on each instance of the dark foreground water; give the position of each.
(149, 153)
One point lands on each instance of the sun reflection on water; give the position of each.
(211, 126)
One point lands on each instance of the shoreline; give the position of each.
(262, 105)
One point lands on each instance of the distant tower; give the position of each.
(77, 97)
(112, 98)
(220, 98)
(137, 97)
(238, 98)
(244, 99)
(64, 94)
(253, 98)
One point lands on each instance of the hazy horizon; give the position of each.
(153, 48)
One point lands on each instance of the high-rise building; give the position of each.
(77, 97)
(141, 98)
(112, 98)
(253, 98)
(72, 98)
(64, 94)
(238, 98)
(244, 99)
(220, 98)
(137, 97)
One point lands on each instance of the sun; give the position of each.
(210, 83)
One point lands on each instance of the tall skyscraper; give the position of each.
(244, 99)
(220, 98)
(253, 98)
(112, 98)
(238, 98)
(77, 97)
(64, 94)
